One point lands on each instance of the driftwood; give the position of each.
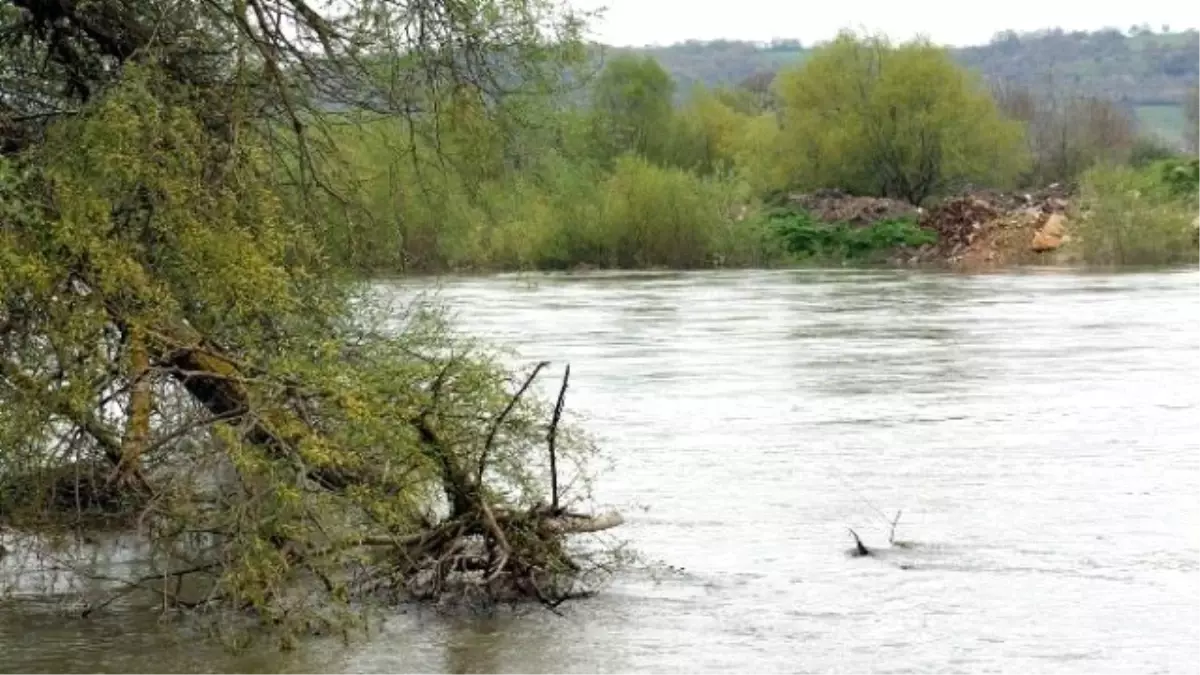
(494, 551)
(581, 524)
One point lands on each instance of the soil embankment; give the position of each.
(975, 230)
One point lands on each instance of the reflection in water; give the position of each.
(1037, 429)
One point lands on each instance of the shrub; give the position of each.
(1138, 217)
(805, 237)
(655, 216)
(1181, 177)
(1148, 150)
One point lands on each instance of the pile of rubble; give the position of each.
(975, 228)
(958, 221)
(991, 228)
(835, 206)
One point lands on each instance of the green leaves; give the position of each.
(896, 121)
(805, 237)
(1180, 176)
(1143, 216)
(631, 109)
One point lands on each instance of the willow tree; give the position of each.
(896, 121)
(179, 359)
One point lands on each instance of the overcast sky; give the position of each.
(646, 22)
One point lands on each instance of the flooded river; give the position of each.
(1038, 431)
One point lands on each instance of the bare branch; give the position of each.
(512, 402)
(551, 437)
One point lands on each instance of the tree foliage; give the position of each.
(1144, 68)
(897, 121)
(631, 108)
(1141, 216)
(180, 358)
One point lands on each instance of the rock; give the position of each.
(1042, 242)
(988, 227)
(1051, 235)
(1056, 225)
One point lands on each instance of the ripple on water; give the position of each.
(1037, 429)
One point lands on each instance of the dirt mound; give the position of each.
(835, 206)
(977, 228)
(1054, 198)
(988, 228)
(958, 221)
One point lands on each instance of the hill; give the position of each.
(1149, 72)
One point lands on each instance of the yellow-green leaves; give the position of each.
(901, 121)
(1132, 216)
(631, 109)
(159, 219)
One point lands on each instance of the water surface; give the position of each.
(1038, 430)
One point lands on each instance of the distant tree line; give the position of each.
(1140, 66)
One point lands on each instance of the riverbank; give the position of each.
(1114, 216)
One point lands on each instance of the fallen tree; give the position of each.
(170, 329)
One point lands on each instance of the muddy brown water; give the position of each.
(1038, 430)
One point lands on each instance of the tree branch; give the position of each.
(512, 402)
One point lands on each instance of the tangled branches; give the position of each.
(179, 363)
(254, 485)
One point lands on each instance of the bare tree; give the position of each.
(1067, 133)
(1189, 108)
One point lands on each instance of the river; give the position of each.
(1038, 430)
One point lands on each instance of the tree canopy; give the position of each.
(632, 108)
(179, 356)
(896, 121)
(1141, 67)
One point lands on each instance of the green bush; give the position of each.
(1180, 176)
(1132, 217)
(805, 237)
(902, 121)
(653, 216)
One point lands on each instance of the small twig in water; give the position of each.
(892, 532)
(858, 545)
